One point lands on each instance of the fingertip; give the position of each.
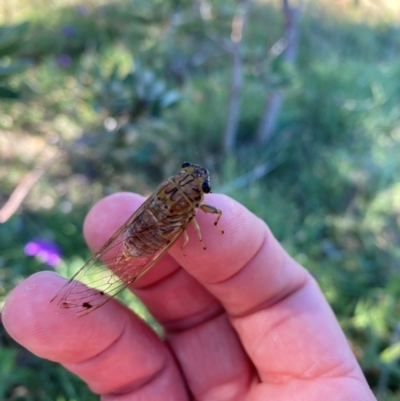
(54, 333)
(18, 315)
(19, 308)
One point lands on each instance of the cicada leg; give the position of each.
(214, 210)
(185, 241)
(197, 228)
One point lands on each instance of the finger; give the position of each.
(273, 303)
(111, 349)
(196, 326)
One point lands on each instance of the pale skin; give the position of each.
(243, 321)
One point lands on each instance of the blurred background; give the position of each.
(294, 107)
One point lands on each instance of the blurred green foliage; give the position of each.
(125, 91)
(11, 41)
(138, 94)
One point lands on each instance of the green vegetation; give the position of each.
(111, 96)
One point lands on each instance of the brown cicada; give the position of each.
(140, 243)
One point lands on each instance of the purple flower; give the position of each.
(63, 60)
(47, 251)
(68, 30)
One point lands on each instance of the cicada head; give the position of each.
(200, 175)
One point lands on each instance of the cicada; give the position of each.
(140, 243)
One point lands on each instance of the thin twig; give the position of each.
(244, 180)
(23, 188)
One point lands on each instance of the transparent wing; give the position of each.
(109, 271)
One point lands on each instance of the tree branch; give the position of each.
(275, 101)
(238, 25)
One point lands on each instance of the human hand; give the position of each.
(242, 321)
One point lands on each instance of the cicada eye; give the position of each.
(206, 187)
(186, 164)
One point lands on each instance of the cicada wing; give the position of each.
(109, 271)
(103, 283)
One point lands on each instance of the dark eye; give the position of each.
(186, 164)
(206, 187)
